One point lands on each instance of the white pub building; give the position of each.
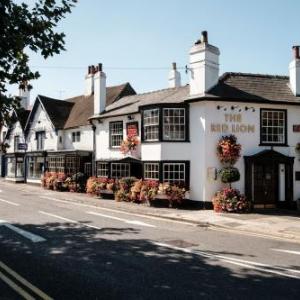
(179, 129)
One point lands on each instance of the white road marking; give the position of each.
(239, 262)
(135, 222)
(68, 220)
(28, 235)
(15, 287)
(287, 251)
(25, 282)
(9, 202)
(119, 211)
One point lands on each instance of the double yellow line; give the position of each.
(16, 285)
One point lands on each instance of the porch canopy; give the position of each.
(269, 179)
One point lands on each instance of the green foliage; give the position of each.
(24, 28)
(229, 174)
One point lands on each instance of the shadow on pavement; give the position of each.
(77, 262)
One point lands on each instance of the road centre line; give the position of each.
(68, 220)
(134, 222)
(23, 281)
(287, 251)
(9, 202)
(239, 262)
(119, 211)
(28, 235)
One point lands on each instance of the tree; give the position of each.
(24, 28)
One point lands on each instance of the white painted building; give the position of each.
(179, 129)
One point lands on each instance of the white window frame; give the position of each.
(153, 169)
(116, 137)
(269, 124)
(176, 122)
(176, 179)
(150, 123)
(102, 168)
(40, 140)
(127, 169)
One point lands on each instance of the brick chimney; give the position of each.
(89, 81)
(204, 66)
(174, 77)
(294, 69)
(99, 90)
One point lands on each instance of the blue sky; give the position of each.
(130, 36)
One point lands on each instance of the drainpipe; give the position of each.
(94, 149)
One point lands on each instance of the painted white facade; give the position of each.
(86, 139)
(41, 122)
(15, 130)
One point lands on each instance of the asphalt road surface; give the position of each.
(54, 249)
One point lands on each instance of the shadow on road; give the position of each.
(77, 262)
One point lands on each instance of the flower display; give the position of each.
(228, 150)
(230, 200)
(130, 143)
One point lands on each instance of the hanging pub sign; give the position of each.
(22, 146)
(132, 129)
(296, 128)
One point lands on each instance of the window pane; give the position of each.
(151, 171)
(120, 170)
(174, 124)
(174, 172)
(273, 126)
(116, 133)
(151, 124)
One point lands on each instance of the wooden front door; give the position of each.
(265, 184)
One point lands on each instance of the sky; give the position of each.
(137, 41)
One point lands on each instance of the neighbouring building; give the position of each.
(179, 128)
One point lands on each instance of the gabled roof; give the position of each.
(245, 87)
(83, 107)
(76, 111)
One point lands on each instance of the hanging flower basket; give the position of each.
(228, 150)
(229, 175)
(129, 144)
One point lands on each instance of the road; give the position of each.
(54, 249)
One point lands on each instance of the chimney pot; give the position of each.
(204, 36)
(174, 65)
(296, 52)
(100, 67)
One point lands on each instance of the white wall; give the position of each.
(16, 130)
(103, 151)
(86, 139)
(41, 122)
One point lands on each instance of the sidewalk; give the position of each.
(269, 224)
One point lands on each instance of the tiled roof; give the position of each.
(231, 87)
(131, 104)
(254, 87)
(57, 110)
(83, 107)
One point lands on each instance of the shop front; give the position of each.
(70, 162)
(14, 167)
(35, 166)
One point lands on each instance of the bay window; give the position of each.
(151, 171)
(102, 169)
(120, 170)
(174, 172)
(166, 124)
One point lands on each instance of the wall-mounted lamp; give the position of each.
(220, 107)
(100, 121)
(130, 117)
(233, 107)
(252, 108)
(187, 69)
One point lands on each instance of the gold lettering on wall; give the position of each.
(236, 125)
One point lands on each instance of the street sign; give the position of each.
(22, 146)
